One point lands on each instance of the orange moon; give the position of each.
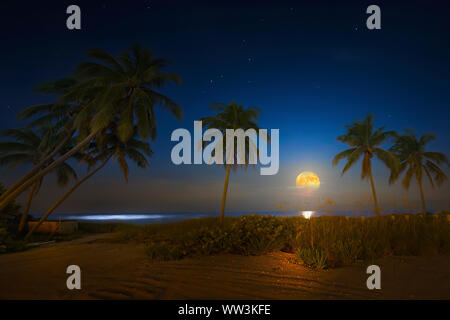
(308, 180)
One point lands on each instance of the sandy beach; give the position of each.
(124, 271)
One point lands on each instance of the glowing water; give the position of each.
(115, 217)
(307, 214)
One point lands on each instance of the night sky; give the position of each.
(311, 67)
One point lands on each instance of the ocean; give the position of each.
(147, 218)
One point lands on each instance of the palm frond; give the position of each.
(342, 155)
(106, 58)
(390, 161)
(64, 173)
(437, 157)
(439, 175)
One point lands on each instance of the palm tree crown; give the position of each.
(111, 146)
(29, 147)
(126, 87)
(365, 141)
(416, 161)
(233, 116)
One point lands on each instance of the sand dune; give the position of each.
(123, 271)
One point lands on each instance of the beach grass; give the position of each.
(320, 242)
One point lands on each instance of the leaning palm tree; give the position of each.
(110, 148)
(231, 116)
(12, 210)
(29, 147)
(365, 141)
(125, 87)
(59, 115)
(413, 157)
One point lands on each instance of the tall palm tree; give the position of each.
(125, 87)
(231, 116)
(365, 141)
(111, 148)
(413, 157)
(29, 148)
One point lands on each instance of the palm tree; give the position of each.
(365, 141)
(12, 210)
(29, 148)
(58, 115)
(125, 87)
(111, 147)
(413, 157)
(231, 116)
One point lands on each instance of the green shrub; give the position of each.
(247, 235)
(319, 242)
(164, 251)
(256, 234)
(209, 240)
(313, 258)
(9, 242)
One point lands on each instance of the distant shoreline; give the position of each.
(150, 218)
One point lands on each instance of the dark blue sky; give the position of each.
(311, 67)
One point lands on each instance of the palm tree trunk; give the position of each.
(64, 197)
(23, 218)
(422, 196)
(224, 196)
(36, 168)
(374, 193)
(4, 202)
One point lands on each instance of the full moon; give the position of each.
(308, 180)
